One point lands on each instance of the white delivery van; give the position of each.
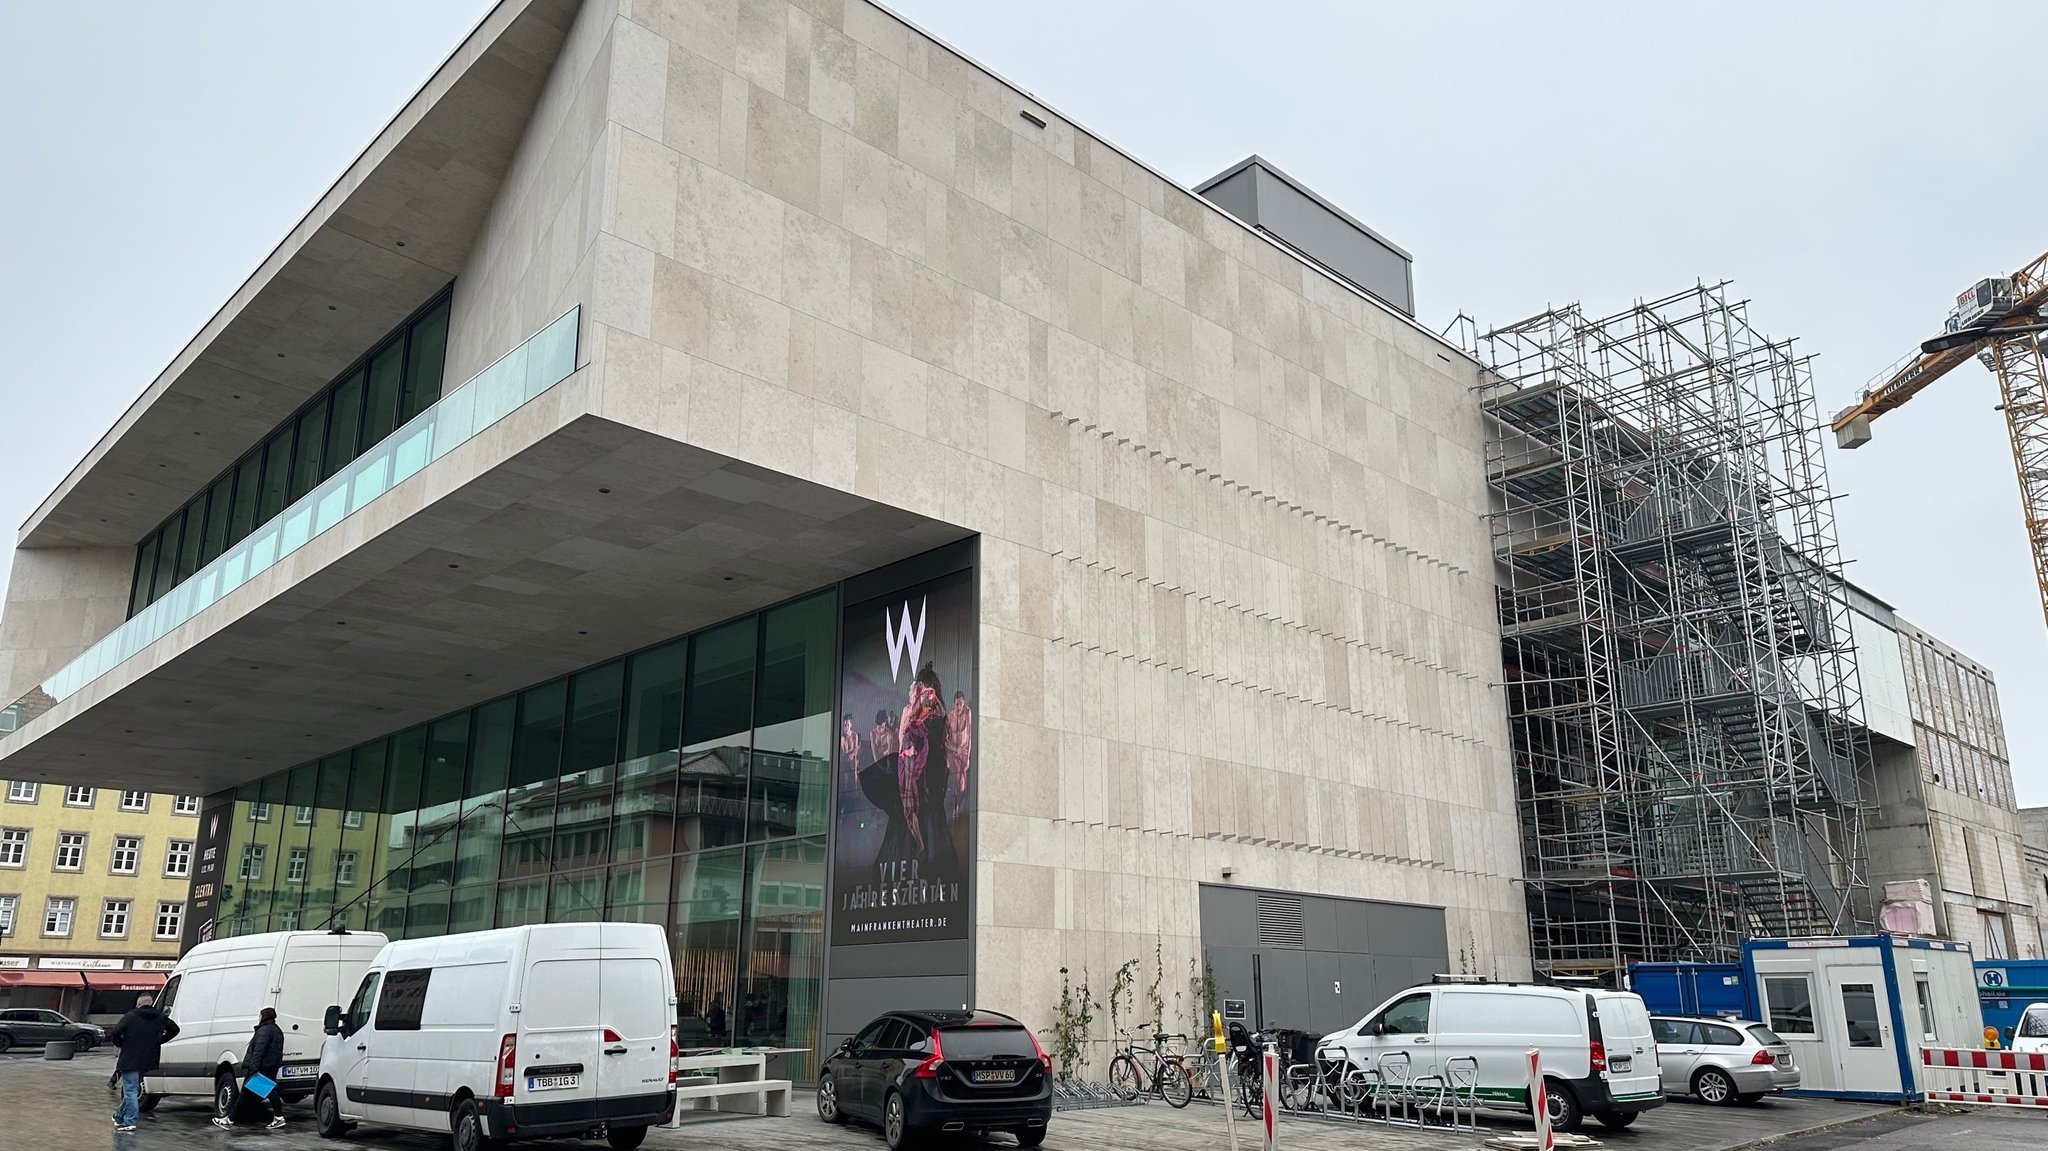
(520, 1033)
(1598, 1055)
(216, 990)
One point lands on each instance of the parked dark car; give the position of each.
(35, 1026)
(918, 1072)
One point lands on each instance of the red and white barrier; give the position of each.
(1984, 1078)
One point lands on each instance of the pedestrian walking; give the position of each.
(264, 1057)
(141, 1035)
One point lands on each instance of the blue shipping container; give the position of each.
(1692, 988)
(2005, 987)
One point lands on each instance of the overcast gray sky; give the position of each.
(1851, 167)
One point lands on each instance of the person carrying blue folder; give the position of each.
(261, 1066)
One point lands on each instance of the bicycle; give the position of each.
(1168, 1077)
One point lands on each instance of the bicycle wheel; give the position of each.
(1174, 1085)
(1298, 1088)
(1251, 1091)
(1124, 1077)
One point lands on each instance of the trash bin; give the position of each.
(60, 1049)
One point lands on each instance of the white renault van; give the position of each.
(520, 1033)
(216, 990)
(1598, 1055)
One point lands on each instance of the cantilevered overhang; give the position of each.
(553, 540)
(393, 229)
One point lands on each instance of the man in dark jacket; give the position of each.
(141, 1036)
(265, 1056)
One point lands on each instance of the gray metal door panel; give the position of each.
(1284, 983)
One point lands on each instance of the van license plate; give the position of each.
(995, 1077)
(552, 1082)
(1620, 1064)
(302, 1071)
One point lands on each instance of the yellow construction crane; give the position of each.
(1999, 321)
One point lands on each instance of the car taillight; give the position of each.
(1044, 1060)
(928, 1067)
(1763, 1057)
(1598, 1051)
(675, 1052)
(506, 1058)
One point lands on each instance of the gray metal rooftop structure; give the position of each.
(1270, 200)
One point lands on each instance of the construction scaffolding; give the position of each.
(1691, 760)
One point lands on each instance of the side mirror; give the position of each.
(334, 1021)
(846, 1046)
(1379, 1028)
(2008, 1036)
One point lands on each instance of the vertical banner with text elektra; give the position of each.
(905, 763)
(203, 904)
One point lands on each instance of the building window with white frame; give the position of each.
(352, 819)
(127, 854)
(21, 791)
(259, 813)
(7, 905)
(170, 920)
(185, 805)
(114, 919)
(57, 913)
(303, 816)
(13, 846)
(295, 866)
(288, 920)
(78, 796)
(345, 868)
(134, 801)
(252, 861)
(178, 859)
(70, 851)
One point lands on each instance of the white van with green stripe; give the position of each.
(1598, 1055)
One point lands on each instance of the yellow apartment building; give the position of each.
(93, 885)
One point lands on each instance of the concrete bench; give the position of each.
(734, 1083)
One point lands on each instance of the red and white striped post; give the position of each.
(1269, 1061)
(1539, 1102)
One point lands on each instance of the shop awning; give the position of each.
(124, 980)
(41, 979)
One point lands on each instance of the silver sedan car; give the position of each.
(1722, 1060)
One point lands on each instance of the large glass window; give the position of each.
(395, 381)
(785, 941)
(644, 807)
(277, 465)
(312, 436)
(167, 557)
(530, 788)
(793, 720)
(684, 785)
(483, 804)
(380, 399)
(718, 713)
(707, 943)
(193, 518)
(583, 809)
(344, 421)
(216, 532)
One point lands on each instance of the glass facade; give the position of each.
(685, 784)
(396, 381)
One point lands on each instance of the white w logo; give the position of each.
(898, 641)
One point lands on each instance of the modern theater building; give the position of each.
(744, 466)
